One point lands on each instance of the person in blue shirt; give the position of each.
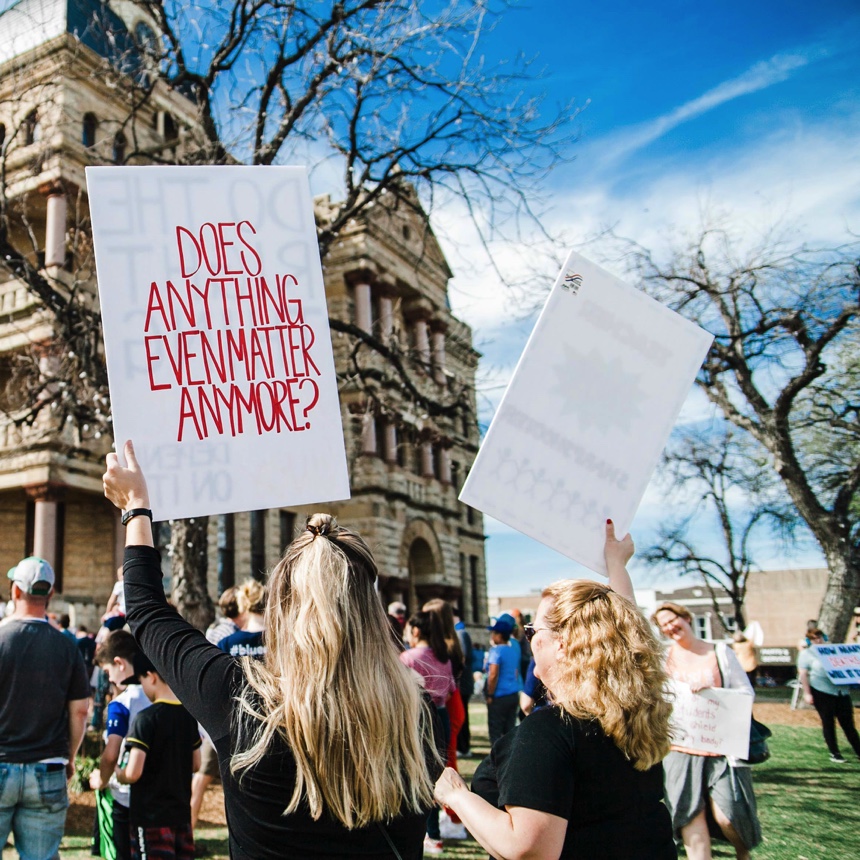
(248, 641)
(503, 679)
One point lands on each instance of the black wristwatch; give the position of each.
(127, 516)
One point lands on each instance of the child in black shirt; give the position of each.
(164, 750)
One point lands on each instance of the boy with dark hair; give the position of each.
(164, 751)
(115, 656)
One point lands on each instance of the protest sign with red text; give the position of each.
(216, 334)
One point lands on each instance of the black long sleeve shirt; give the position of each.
(207, 681)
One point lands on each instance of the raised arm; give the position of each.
(201, 675)
(617, 553)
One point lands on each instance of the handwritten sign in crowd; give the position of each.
(587, 413)
(713, 720)
(842, 662)
(216, 334)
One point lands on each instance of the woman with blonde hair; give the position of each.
(582, 777)
(321, 745)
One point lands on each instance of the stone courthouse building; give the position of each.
(406, 364)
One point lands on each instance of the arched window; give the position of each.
(32, 128)
(119, 147)
(90, 125)
(169, 127)
(144, 35)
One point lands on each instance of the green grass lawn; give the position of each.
(809, 807)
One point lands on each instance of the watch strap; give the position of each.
(127, 516)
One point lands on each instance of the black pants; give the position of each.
(831, 708)
(121, 833)
(502, 715)
(433, 818)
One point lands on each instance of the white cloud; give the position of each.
(808, 175)
(758, 77)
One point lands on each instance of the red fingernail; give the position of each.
(609, 522)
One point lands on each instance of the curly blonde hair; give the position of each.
(610, 668)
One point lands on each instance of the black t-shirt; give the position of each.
(569, 768)
(87, 647)
(168, 735)
(40, 672)
(207, 680)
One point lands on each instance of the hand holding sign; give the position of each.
(586, 414)
(125, 486)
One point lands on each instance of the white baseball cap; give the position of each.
(33, 576)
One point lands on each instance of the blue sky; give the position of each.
(747, 110)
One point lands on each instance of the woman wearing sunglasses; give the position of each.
(581, 778)
(321, 746)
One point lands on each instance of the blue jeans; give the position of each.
(33, 803)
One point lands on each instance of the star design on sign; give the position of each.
(577, 391)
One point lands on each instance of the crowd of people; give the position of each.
(335, 729)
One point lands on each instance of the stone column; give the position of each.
(46, 498)
(45, 531)
(386, 318)
(55, 229)
(422, 342)
(444, 465)
(363, 311)
(439, 356)
(427, 470)
(390, 442)
(368, 435)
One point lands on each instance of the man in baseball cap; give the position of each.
(43, 713)
(33, 576)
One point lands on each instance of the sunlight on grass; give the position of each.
(808, 806)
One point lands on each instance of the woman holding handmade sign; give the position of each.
(580, 778)
(703, 786)
(831, 702)
(312, 764)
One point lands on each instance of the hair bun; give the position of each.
(322, 525)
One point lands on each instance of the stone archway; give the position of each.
(421, 563)
(421, 560)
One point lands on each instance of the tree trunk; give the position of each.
(740, 617)
(842, 595)
(188, 556)
(843, 560)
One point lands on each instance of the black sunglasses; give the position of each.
(529, 631)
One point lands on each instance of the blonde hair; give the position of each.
(610, 668)
(675, 608)
(332, 687)
(251, 597)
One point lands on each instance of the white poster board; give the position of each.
(216, 333)
(713, 720)
(842, 662)
(587, 413)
